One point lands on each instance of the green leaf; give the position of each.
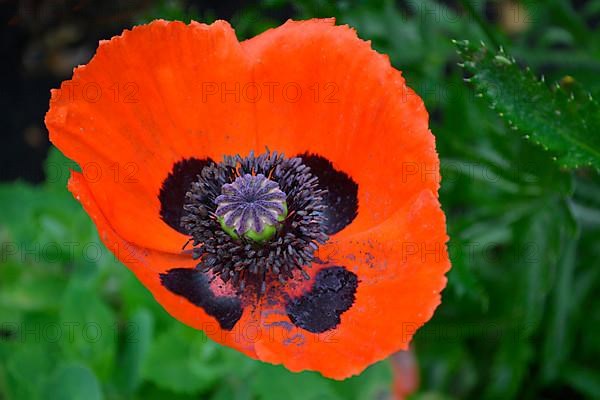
(153, 392)
(73, 381)
(445, 361)
(431, 396)
(39, 225)
(538, 258)
(563, 121)
(509, 369)
(136, 338)
(374, 383)
(276, 383)
(586, 380)
(26, 369)
(36, 288)
(462, 279)
(183, 360)
(90, 328)
(558, 337)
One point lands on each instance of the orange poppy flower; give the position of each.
(279, 194)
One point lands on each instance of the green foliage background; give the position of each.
(520, 317)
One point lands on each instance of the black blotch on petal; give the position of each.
(175, 186)
(342, 192)
(194, 286)
(319, 309)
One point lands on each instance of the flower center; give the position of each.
(255, 220)
(252, 206)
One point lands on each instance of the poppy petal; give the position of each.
(338, 98)
(173, 280)
(400, 267)
(195, 287)
(140, 106)
(341, 192)
(331, 294)
(175, 186)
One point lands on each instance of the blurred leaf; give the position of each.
(585, 380)
(558, 339)
(564, 124)
(379, 22)
(137, 337)
(90, 329)
(462, 278)
(510, 368)
(275, 383)
(43, 226)
(27, 368)
(151, 392)
(183, 360)
(430, 396)
(228, 392)
(446, 364)
(374, 383)
(73, 381)
(170, 10)
(32, 288)
(542, 235)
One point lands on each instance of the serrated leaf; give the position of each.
(563, 121)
